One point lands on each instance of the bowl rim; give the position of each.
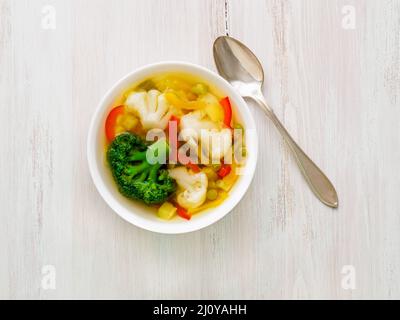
(225, 208)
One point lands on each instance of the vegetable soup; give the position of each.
(175, 144)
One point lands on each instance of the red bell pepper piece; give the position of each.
(224, 171)
(183, 213)
(226, 105)
(195, 168)
(188, 163)
(111, 122)
(174, 118)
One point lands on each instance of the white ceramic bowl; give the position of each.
(137, 213)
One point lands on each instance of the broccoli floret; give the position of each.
(136, 177)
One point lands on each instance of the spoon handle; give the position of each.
(316, 179)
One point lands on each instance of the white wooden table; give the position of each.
(334, 82)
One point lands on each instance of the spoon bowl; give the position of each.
(238, 65)
(236, 62)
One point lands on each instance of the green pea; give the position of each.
(216, 167)
(200, 89)
(147, 85)
(212, 194)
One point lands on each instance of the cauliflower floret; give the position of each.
(191, 126)
(152, 108)
(193, 186)
(197, 129)
(216, 144)
(193, 123)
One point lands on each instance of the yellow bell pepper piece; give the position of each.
(230, 179)
(210, 204)
(180, 103)
(215, 112)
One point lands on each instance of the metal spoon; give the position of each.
(237, 64)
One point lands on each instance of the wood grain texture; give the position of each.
(336, 90)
